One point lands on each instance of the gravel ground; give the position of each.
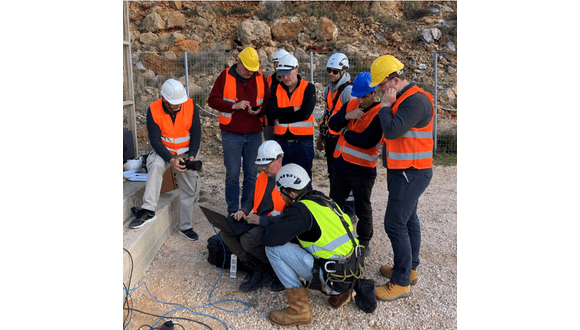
(180, 276)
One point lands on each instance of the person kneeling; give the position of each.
(327, 254)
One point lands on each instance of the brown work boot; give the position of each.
(342, 299)
(387, 271)
(297, 313)
(392, 291)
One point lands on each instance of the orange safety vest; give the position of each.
(230, 94)
(414, 148)
(175, 136)
(260, 190)
(269, 80)
(331, 111)
(305, 127)
(352, 154)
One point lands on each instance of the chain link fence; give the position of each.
(151, 70)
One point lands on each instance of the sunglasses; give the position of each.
(334, 71)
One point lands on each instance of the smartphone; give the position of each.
(254, 108)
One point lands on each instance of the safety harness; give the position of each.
(338, 275)
(323, 128)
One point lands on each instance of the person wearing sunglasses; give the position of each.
(337, 93)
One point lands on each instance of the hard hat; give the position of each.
(383, 66)
(278, 55)
(173, 91)
(337, 61)
(292, 176)
(360, 85)
(268, 152)
(249, 58)
(286, 64)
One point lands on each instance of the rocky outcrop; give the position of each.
(161, 31)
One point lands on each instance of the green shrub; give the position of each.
(239, 11)
(446, 143)
(412, 10)
(444, 159)
(191, 13)
(200, 98)
(390, 22)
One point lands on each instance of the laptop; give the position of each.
(239, 227)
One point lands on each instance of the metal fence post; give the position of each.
(435, 105)
(311, 70)
(186, 74)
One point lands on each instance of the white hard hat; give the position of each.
(337, 61)
(292, 176)
(278, 55)
(268, 152)
(174, 92)
(286, 64)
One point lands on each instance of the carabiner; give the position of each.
(328, 270)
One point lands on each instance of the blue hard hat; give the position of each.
(360, 86)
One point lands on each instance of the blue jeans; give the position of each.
(238, 147)
(290, 261)
(298, 152)
(401, 220)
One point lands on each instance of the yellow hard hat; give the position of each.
(382, 67)
(249, 58)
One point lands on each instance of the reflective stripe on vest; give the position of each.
(334, 242)
(175, 136)
(259, 191)
(414, 148)
(352, 154)
(230, 94)
(305, 127)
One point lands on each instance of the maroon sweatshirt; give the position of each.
(246, 89)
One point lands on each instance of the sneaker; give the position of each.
(141, 217)
(392, 291)
(387, 271)
(189, 234)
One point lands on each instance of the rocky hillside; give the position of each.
(413, 31)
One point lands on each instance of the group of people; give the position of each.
(290, 235)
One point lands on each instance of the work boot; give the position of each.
(258, 279)
(392, 291)
(297, 313)
(387, 271)
(342, 299)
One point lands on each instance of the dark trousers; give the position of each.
(329, 146)
(401, 220)
(244, 246)
(300, 152)
(362, 187)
